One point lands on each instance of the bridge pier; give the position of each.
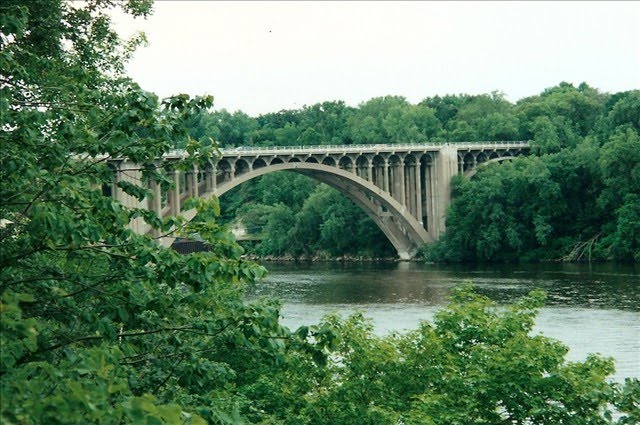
(446, 167)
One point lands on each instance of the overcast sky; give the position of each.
(266, 56)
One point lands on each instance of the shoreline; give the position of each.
(328, 259)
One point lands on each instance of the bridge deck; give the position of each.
(354, 149)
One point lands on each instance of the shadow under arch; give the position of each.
(405, 233)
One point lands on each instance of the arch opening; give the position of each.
(259, 163)
(276, 161)
(242, 167)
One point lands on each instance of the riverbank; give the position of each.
(319, 258)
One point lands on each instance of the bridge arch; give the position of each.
(472, 171)
(404, 188)
(404, 232)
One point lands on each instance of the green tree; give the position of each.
(99, 324)
(461, 131)
(446, 107)
(476, 363)
(366, 125)
(232, 129)
(278, 230)
(506, 214)
(328, 120)
(578, 107)
(625, 110)
(287, 188)
(480, 106)
(411, 124)
(498, 127)
(620, 163)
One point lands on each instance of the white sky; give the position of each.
(266, 56)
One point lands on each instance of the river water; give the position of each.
(590, 308)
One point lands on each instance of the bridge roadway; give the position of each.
(404, 188)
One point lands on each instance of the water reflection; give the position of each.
(595, 286)
(592, 309)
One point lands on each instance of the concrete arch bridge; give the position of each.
(405, 189)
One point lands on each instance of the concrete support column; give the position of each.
(427, 195)
(354, 168)
(432, 200)
(174, 194)
(446, 166)
(370, 172)
(410, 189)
(385, 176)
(418, 178)
(193, 182)
(402, 192)
(379, 175)
(232, 171)
(394, 182)
(116, 192)
(208, 179)
(156, 202)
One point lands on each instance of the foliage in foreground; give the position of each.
(475, 364)
(101, 325)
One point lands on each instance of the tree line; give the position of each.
(576, 197)
(100, 325)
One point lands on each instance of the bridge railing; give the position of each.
(262, 150)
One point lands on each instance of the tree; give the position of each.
(476, 363)
(507, 213)
(366, 125)
(278, 229)
(620, 163)
(232, 129)
(461, 131)
(100, 325)
(328, 120)
(446, 107)
(411, 124)
(287, 188)
(625, 110)
(480, 106)
(577, 107)
(498, 127)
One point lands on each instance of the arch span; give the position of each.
(403, 230)
(472, 171)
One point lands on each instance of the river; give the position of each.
(590, 308)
